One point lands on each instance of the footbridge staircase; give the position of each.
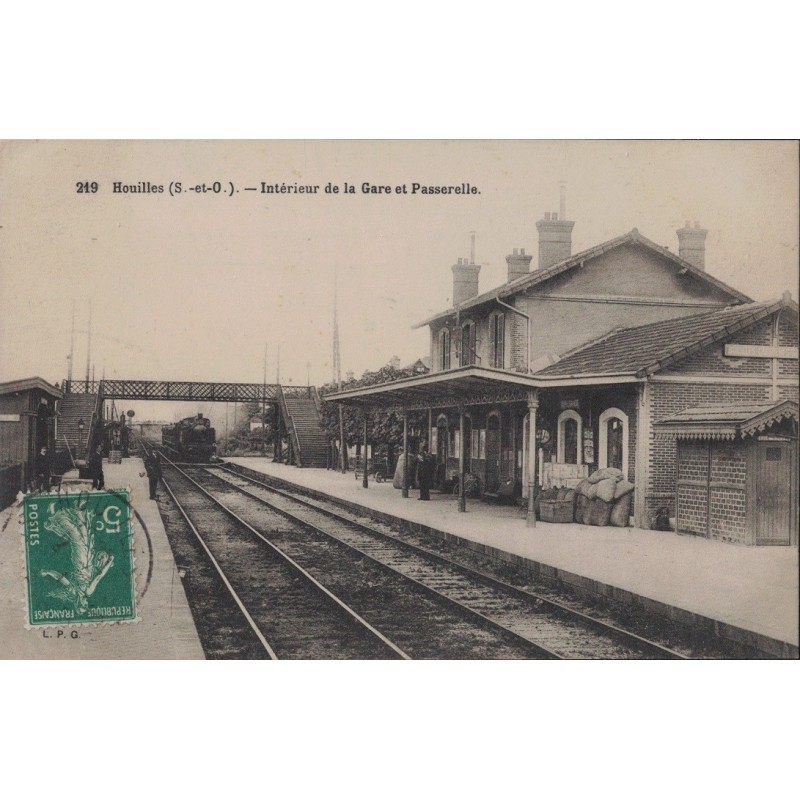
(301, 412)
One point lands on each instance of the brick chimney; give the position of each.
(692, 244)
(555, 235)
(555, 239)
(518, 264)
(465, 280)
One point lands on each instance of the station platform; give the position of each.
(165, 629)
(746, 594)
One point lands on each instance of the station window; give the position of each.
(468, 344)
(444, 349)
(498, 332)
(570, 431)
(613, 449)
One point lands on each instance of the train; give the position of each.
(192, 438)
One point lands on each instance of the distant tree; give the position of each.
(385, 425)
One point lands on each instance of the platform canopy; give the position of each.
(468, 385)
(726, 421)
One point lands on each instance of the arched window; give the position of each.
(613, 440)
(444, 349)
(468, 344)
(570, 435)
(497, 332)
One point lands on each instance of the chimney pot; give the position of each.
(465, 281)
(696, 224)
(692, 245)
(518, 264)
(555, 239)
(686, 224)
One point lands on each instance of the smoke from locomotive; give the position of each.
(193, 438)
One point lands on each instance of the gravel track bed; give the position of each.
(685, 640)
(420, 624)
(294, 616)
(557, 630)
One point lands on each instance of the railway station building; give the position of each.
(569, 365)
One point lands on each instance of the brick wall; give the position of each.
(728, 501)
(787, 332)
(518, 327)
(712, 503)
(667, 399)
(789, 393)
(713, 361)
(692, 500)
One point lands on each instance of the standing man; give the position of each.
(96, 468)
(152, 465)
(424, 473)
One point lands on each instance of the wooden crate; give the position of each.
(557, 510)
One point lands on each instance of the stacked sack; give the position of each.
(604, 498)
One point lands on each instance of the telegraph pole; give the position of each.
(264, 406)
(89, 346)
(337, 370)
(71, 349)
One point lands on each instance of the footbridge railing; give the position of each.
(123, 389)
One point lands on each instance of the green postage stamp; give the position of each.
(79, 558)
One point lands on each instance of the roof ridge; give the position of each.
(648, 348)
(538, 276)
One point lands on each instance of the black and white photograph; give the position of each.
(399, 401)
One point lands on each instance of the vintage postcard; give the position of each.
(399, 399)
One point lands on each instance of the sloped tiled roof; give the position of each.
(648, 348)
(538, 276)
(725, 421)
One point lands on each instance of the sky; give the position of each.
(194, 286)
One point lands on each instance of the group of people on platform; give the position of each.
(44, 477)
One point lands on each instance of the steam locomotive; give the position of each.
(192, 439)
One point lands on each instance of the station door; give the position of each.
(776, 492)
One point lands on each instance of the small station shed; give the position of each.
(736, 471)
(27, 423)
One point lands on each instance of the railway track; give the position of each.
(560, 631)
(267, 564)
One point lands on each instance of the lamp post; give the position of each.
(80, 435)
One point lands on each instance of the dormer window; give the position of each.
(444, 349)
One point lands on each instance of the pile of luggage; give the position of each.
(604, 498)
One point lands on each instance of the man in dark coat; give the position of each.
(424, 473)
(96, 468)
(152, 465)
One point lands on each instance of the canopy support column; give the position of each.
(341, 440)
(405, 452)
(462, 498)
(533, 405)
(365, 480)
